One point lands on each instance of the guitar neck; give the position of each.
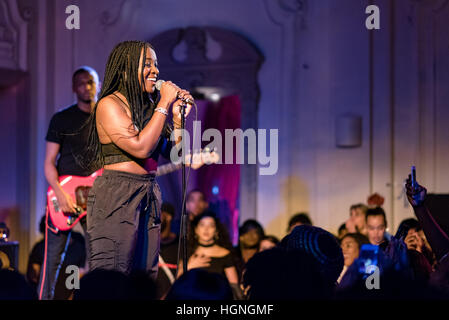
(167, 168)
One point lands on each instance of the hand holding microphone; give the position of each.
(180, 94)
(180, 97)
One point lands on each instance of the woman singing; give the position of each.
(128, 132)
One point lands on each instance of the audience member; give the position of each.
(308, 263)
(297, 220)
(438, 239)
(13, 286)
(411, 232)
(268, 242)
(196, 203)
(342, 231)
(143, 286)
(4, 232)
(168, 254)
(376, 225)
(209, 249)
(250, 235)
(319, 243)
(350, 245)
(282, 274)
(198, 284)
(393, 278)
(113, 285)
(357, 219)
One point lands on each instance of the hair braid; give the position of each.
(121, 75)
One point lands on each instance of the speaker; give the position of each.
(438, 205)
(9, 255)
(349, 131)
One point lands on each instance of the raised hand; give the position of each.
(414, 241)
(198, 261)
(169, 93)
(65, 201)
(415, 195)
(182, 95)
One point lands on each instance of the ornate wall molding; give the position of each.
(121, 17)
(27, 10)
(13, 37)
(109, 18)
(281, 12)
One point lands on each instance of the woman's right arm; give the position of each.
(438, 239)
(118, 126)
(195, 261)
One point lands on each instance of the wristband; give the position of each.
(161, 110)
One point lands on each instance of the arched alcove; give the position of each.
(213, 57)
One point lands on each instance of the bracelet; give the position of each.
(161, 110)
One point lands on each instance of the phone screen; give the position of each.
(369, 258)
(413, 177)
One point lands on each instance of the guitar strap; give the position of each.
(61, 262)
(44, 271)
(167, 271)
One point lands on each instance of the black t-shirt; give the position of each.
(67, 129)
(37, 253)
(219, 264)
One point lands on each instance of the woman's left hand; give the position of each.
(183, 94)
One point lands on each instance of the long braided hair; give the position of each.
(121, 75)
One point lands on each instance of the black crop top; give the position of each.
(113, 154)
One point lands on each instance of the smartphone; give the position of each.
(413, 177)
(369, 258)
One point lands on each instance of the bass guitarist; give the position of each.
(66, 139)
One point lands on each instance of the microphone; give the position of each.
(159, 85)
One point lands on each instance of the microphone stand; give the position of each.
(184, 217)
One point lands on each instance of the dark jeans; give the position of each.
(123, 222)
(57, 243)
